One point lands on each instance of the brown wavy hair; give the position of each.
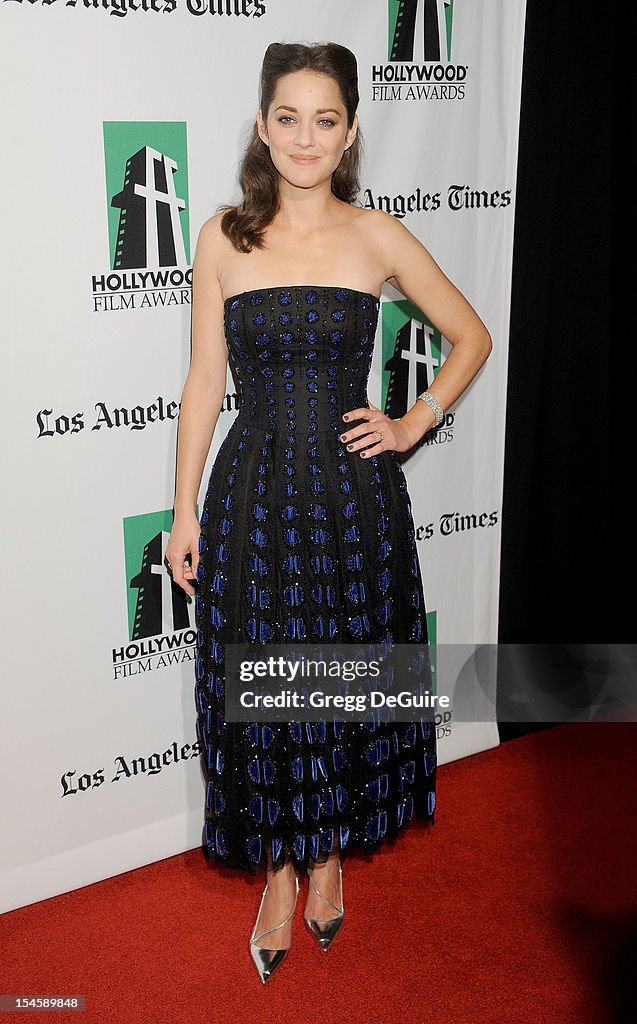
(245, 223)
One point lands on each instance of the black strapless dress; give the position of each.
(303, 541)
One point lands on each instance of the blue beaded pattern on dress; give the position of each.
(304, 541)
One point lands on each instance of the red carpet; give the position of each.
(518, 906)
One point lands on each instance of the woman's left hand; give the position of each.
(377, 434)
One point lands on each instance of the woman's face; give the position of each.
(306, 128)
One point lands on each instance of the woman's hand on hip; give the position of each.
(377, 434)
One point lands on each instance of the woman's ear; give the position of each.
(261, 128)
(351, 132)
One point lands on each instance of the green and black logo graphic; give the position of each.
(155, 604)
(147, 193)
(420, 30)
(412, 356)
(431, 619)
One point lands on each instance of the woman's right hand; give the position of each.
(183, 541)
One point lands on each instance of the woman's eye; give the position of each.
(327, 121)
(285, 118)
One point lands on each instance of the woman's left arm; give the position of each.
(414, 272)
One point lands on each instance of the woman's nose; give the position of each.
(304, 135)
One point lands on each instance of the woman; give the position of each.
(306, 531)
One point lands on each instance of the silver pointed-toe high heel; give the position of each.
(324, 931)
(266, 960)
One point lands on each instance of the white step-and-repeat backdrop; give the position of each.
(124, 132)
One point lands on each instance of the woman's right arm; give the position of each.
(202, 398)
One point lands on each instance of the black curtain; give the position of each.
(566, 531)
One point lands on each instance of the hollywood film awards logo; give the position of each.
(161, 627)
(146, 169)
(419, 64)
(413, 351)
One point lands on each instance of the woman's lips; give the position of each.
(304, 159)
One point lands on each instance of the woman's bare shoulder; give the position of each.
(210, 231)
(212, 243)
(378, 231)
(377, 223)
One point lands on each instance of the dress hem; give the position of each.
(352, 849)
